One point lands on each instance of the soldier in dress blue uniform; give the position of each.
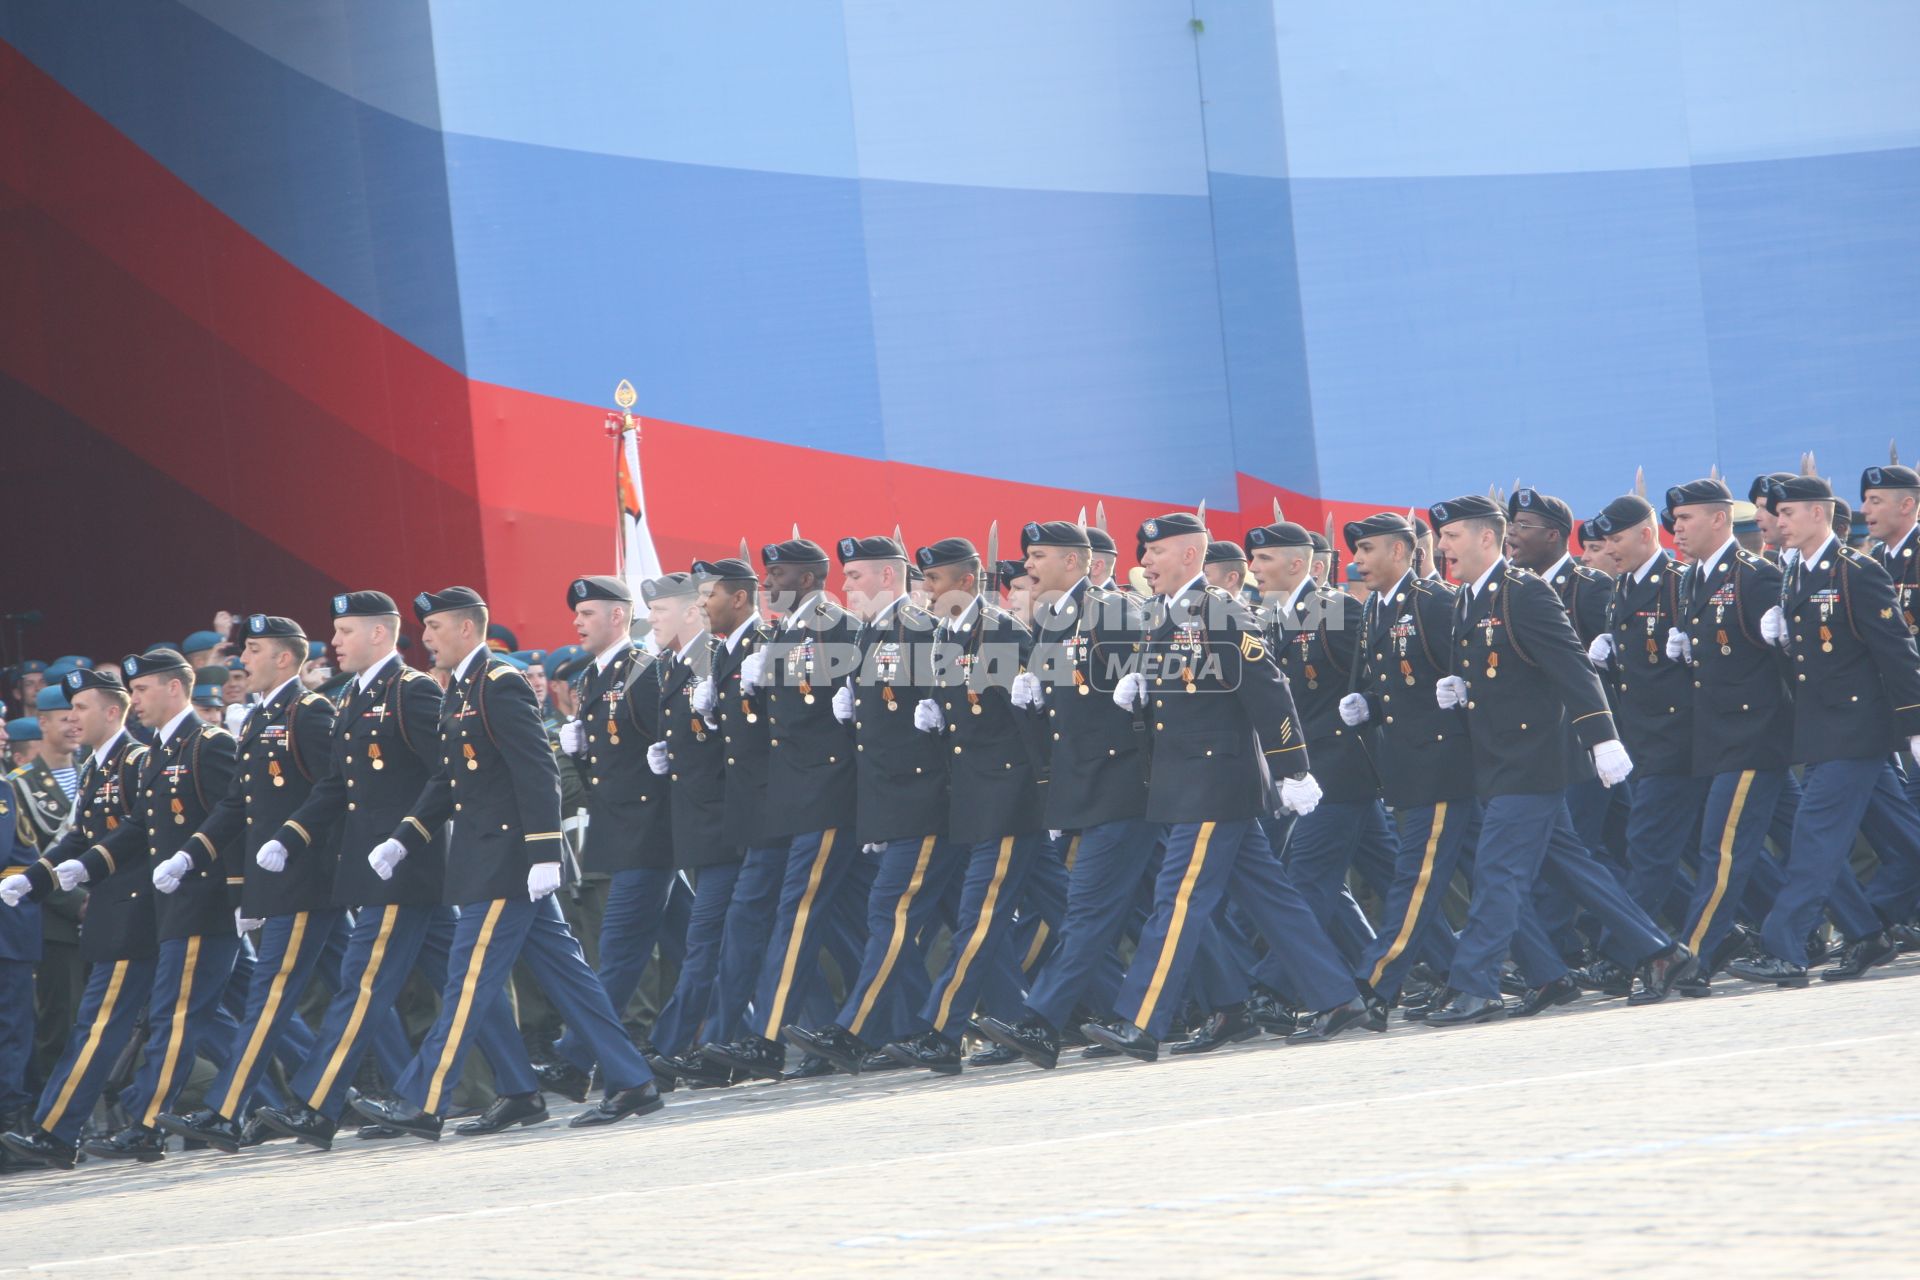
(1890, 501)
(1526, 683)
(379, 756)
(117, 936)
(1224, 730)
(1097, 782)
(1856, 680)
(1102, 558)
(1226, 568)
(1652, 700)
(189, 770)
(497, 780)
(1426, 771)
(901, 799)
(631, 821)
(19, 954)
(282, 750)
(995, 802)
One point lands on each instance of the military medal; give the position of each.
(806, 692)
(613, 730)
(1406, 670)
(466, 749)
(886, 691)
(1493, 665)
(973, 701)
(1080, 682)
(746, 709)
(1313, 678)
(179, 811)
(1826, 639)
(373, 756)
(273, 771)
(113, 823)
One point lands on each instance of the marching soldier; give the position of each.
(374, 766)
(503, 866)
(281, 750)
(1525, 682)
(46, 793)
(117, 936)
(19, 954)
(1214, 762)
(1226, 569)
(1890, 501)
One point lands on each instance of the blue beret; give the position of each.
(202, 640)
(58, 669)
(206, 695)
(52, 697)
(25, 729)
(32, 665)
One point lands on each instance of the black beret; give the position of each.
(599, 586)
(1420, 527)
(1697, 492)
(1005, 571)
(1790, 488)
(914, 574)
(86, 678)
(1220, 551)
(875, 548)
(944, 552)
(1318, 541)
(669, 586)
(1590, 532)
(1757, 491)
(1893, 476)
(264, 626)
(1171, 525)
(155, 661)
(1545, 505)
(1284, 534)
(1381, 522)
(1474, 506)
(1623, 513)
(793, 551)
(1055, 533)
(364, 604)
(1101, 542)
(731, 569)
(428, 603)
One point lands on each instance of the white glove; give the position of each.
(243, 923)
(1027, 692)
(1131, 691)
(14, 888)
(1679, 645)
(1611, 762)
(1773, 627)
(1299, 795)
(1600, 652)
(272, 856)
(573, 737)
(873, 848)
(385, 857)
(1054, 835)
(1354, 709)
(753, 671)
(657, 757)
(843, 703)
(1913, 746)
(542, 879)
(168, 875)
(71, 873)
(702, 697)
(1450, 691)
(927, 717)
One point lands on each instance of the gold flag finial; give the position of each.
(624, 395)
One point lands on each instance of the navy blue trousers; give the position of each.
(1322, 848)
(1663, 832)
(291, 949)
(992, 880)
(635, 919)
(183, 1014)
(1733, 833)
(1431, 840)
(110, 1006)
(1109, 863)
(679, 1025)
(909, 881)
(1834, 795)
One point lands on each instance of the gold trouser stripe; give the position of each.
(1171, 943)
(475, 963)
(178, 1033)
(289, 961)
(901, 909)
(361, 1000)
(982, 926)
(1033, 952)
(87, 1050)
(1411, 919)
(1725, 870)
(777, 1009)
(1073, 852)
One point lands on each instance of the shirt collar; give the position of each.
(1293, 597)
(1406, 580)
(734, 639)
(172, 727)
(604, 659)
(956, 625)
(280, 689)
(1198, 579)
(681, 653)
(1893, 548)
(1719, 553)
(886, 611)
(1065, 602)
(101, 753)
(479, 651)
(799, 610)
(372, 673)
(1821, 554)
(1640, 574)
(1564, 562)
(1480, 583)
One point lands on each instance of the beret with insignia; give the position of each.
(1374, 526)
(500, 639)
(32, 666)
(1101, 542)
(428, 603)
(1623, 513)
(1220, 551)
(1171, 525)
(1893, 476)
(77, 681)
(206, 695)
(267, 626)
(1757, 491)
(599, 586)
(1549, 508)
(364, 604)
(1474, 506)
(945, 552)
(1797, 489)
(1055, 533)
(52, 697)
(155, 661)
(76, 660)
(874, 548)
(1005, 571)
(25, 729)
(669, 586)
(1284, 534)
(731, 569)
(793, 551)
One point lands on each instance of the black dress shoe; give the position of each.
(1266, 1012)
(37, 1146)
(399, 1116)
(929, 1049)
(1695, 986)
(135, 1142)
(377, 1132)
(1227, 1026)
(753, 1056)
(565, 1079)
(641, 1100)
(1421, 1010)
(1331, 1022)
(1031, 1037)
(1769, 969)
(692, 1069)
(205, 1125)
(1659, 972)
(833, 1042)
(878, 1061)
(1562, 990)
(992, 1055)
(812, 1067)
(1124, 1037)
(506, 1111)
(1093, 1051)
(1906, 937)
(303, 1124)
(1871, 951)
(665, 1078)
(1464, 1009)
(1606, 977)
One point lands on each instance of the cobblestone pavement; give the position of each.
(1757, 1133)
